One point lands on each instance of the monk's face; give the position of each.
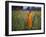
(30, 11)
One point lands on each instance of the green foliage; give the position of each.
(18, 22)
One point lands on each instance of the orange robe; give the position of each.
(29, 21)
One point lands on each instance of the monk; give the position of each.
(29, 20)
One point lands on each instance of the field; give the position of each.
(19, 19)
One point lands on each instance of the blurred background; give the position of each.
(26, 18)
